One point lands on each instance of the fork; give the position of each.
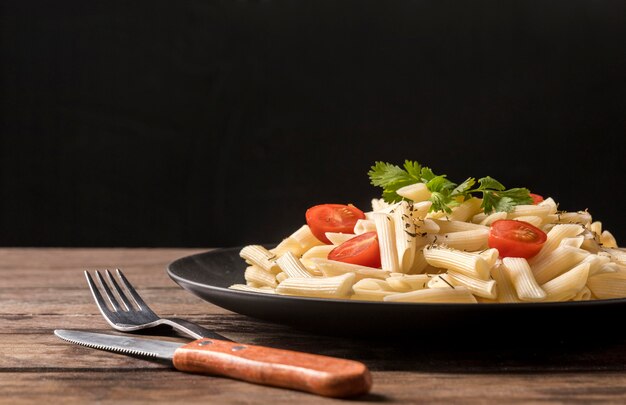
(133, 313)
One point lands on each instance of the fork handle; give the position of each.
(322, 375)
(192, 329)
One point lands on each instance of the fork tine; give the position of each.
(120, 292)
(107, 291)
(140, 303)
(98, 297)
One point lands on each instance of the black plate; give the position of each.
(208, 275)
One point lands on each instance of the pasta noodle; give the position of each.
(466, 240)
(480, 288)
(387, 242)
(608, 285)
(557, 262)
(446, 226)
(322, 287)
(506, 291)
(415, 192)
(403, 282)
(259, 276)
(332, 268)
(465, 263)
(259, 256)
(466, 210)
(568, 285)
(522, 278)
(338, 238)
(364, 225)
(406, 234)
(291, 266)
(454, 295)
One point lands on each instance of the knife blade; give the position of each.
(317, 374)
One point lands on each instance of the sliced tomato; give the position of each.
(516, 238)
(362, 249)
(536, 198)
(332, 218)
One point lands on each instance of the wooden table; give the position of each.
(44, 289)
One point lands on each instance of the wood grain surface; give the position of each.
(44, 289)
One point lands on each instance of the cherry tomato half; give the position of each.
(516, 238)
(332, 218)
(536, 198)
(362, 249)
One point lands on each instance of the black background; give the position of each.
(217, 123)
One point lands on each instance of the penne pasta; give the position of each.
(332, 268)
(466, 210)
(282, 276)
(372, 284)
(608, 240)
(506, 290)
(321, 252)
(557, 262)
(426, 225)
(403, 282)
(451, 295)
(288, 245)
(254, 274)
(378, 204)
(608, 285)
(595, 263)
(555, 236)
(490, 256)
(480, 288)
(583, 295)
(419, 262)
(405, 236)
(291, 266)
(522, 278)
(245, 287)
(566, 286)
(339, 238)
(596, 227)
(305, 238)
(371, 289)
(440, 281)
(415, 192)
(534, 220)
(478, 218)
(386, 242)
(322, 287)
(364, 225)
(581, 217)
(491, 218)
(455, 260)
(260, 257)
(575, 241)
(446, 226)
(465, 240)
(549, 202)
(420, 209)
(533, 210)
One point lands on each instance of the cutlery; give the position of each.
(127, 317)
(312, 373)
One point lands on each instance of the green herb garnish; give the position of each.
(445, 194)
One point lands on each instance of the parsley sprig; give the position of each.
(446, 194)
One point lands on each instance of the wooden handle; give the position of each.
(320, 375)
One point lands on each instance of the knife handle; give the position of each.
(322, 375)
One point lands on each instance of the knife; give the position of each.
(321, 375)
